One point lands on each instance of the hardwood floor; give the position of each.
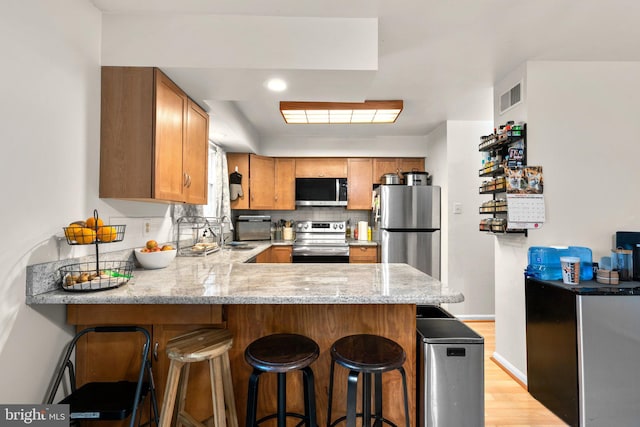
(507, 403)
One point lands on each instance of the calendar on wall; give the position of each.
(525, 211)
(525, 201)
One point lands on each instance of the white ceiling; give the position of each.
(440, 56)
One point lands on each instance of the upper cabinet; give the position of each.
(285, 184)
(321, 167)
(359, 183)
(384, 165)
(261, 182)
(268, 183)
(153, 138)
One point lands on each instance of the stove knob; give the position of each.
(299, 225)
(341, 226)
(306, 226)
(335, 226)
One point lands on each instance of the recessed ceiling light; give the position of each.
(340, 112)
(276, 85)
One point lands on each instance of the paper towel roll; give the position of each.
(363, 228)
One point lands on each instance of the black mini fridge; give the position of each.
(450, 368)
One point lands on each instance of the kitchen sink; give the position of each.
(238, 246)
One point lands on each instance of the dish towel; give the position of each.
(235, 186)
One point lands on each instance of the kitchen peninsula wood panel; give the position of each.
(324, 324)
(321, 167)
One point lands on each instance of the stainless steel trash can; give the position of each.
(450, 367)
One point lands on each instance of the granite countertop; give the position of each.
(225, 278)
(591, 287)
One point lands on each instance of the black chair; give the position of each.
(108, 400)
(282, 353)
(369, 355)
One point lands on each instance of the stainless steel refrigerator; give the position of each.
(407, 225)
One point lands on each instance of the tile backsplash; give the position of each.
(310, 213)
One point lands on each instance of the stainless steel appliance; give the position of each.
(450, 374)
(253, 227)
(321, 191)
(407, 226)
(583, 344)
(321, 241)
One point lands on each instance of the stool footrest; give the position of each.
(361, 415)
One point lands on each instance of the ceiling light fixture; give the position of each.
(276, 85)
(340, 112)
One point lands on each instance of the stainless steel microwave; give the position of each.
(321, 191)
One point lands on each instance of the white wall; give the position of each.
(49, 135)
(471, 261)
(382, 146)
(467, 255)
(583, 129)
(437, 164)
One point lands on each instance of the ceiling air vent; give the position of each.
(510, 98)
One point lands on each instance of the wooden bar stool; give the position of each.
(213, 346)
(367, 355)
(282, 353)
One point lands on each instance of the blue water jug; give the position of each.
(544, 261)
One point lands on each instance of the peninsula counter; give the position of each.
(322, 301)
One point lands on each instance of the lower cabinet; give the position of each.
(363, 254)
(109, 357)
(275, 254)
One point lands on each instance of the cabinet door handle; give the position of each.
(155, 351)
(185, 179)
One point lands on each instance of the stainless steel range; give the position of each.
(321, 241)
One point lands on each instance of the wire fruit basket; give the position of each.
(98, 275)
(89, 276)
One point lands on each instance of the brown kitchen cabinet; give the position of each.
(382, 165)
(108, 357)
(268, 183)
(281, 254)
(261, 182)
(363, 254)
(275, 254)
(153, 138)
(321, 167)
(285, 184)
(359, 183)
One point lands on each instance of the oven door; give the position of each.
(320, 259)
(320, 254)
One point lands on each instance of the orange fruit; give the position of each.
(151, 244)
(70, 231)
(107, 234)
(85, 235)
(91, 223)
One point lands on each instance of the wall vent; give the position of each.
(511, 98)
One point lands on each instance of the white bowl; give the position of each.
(155, 260)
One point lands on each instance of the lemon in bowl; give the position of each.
(154, 259)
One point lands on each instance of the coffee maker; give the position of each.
(630, 240)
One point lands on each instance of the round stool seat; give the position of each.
(281, 353)
(368, 353)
